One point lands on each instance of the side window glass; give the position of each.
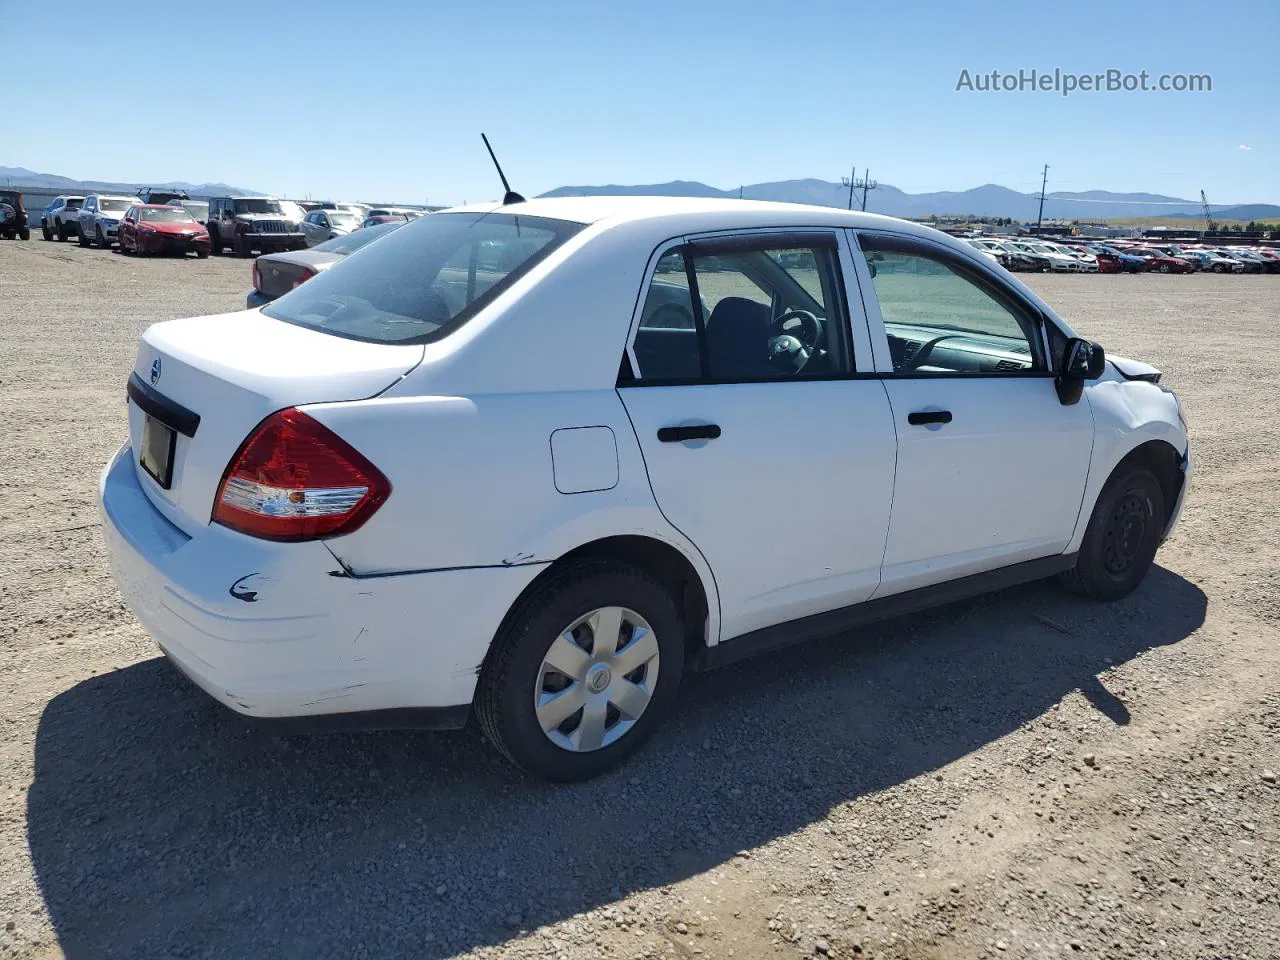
(939, 320)
(775, 313)
(750, 313)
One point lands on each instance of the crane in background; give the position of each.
(1204, 208)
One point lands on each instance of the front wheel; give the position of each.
(244, 247)
(80, 235)
(24, 233)
(99, 239)
(583, 670)
(1120, 542)
(45, 231)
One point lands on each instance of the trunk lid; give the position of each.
(232, 371)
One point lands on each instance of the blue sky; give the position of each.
(386, 100)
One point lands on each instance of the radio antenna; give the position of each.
(511, 196)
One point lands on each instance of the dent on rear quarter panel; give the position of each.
(1126, 414)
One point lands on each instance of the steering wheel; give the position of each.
(794, 349)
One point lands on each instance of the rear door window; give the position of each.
(745, 308)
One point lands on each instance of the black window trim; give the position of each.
(744, 239)
(999, 291)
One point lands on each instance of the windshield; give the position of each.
(74, 204)
(108, 205)
(351, 242)
(424, 281)
(257, 205)
(164, 214)
(197, 208)
(342, 220)
(292, 210)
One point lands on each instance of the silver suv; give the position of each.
(99, 218)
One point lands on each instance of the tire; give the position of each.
(215, 244)
(516, 671)
(1120, 542)
(24, 233)
(202, 254)
(62, 231)
(44, 230)
(244, 247)
(1164, 268)
(84, 241)
(99, 239)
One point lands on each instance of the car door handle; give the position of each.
(701, 431)
(919, 418)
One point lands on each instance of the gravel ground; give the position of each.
(1024, 775)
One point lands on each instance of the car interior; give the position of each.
(764, 312)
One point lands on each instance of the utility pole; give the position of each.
(849, 182)
(867, 184)
(1043, 181)
(739, 193)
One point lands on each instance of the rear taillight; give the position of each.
(295, 479)
(302, 279)
(257, 277)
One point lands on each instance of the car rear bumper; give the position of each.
(256, 299)
(280, 630)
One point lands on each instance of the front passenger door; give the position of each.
(991, 465)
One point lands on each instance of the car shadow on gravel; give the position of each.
(160, 825)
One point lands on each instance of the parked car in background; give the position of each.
(1210, 261)
(58, 219)
(321, 225)
(13, 216)
(293, 211)
(246, 224)
(199, 209)
(161, 195)
(99, 218)
(980, 246)
(275, 274)
(1162, 262)
(357, 210)
(374, 219)
(1123, 262)
(1272, 258)
(156, 228)
(1253, 263)
(309, 518)
(1057, 261)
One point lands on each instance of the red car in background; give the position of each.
(159, 228)
(1162, 262)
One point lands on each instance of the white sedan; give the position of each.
(538, 461)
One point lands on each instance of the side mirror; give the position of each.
(1082, 360)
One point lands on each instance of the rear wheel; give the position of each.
(582, 671)
(62, 231)
(1164, 268)
(24, 233)
(1120, 542)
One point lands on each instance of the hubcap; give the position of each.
(1124, 535)
(596, 679)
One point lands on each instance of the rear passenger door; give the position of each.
(767, 436)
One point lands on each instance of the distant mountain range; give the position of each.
(989, 200)
(24, 179)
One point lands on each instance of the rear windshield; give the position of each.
(74, 204)
(176, 214)
(351, 242)
(425, 280)
(113, 206)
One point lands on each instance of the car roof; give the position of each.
(743, 213)
(160, 206)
